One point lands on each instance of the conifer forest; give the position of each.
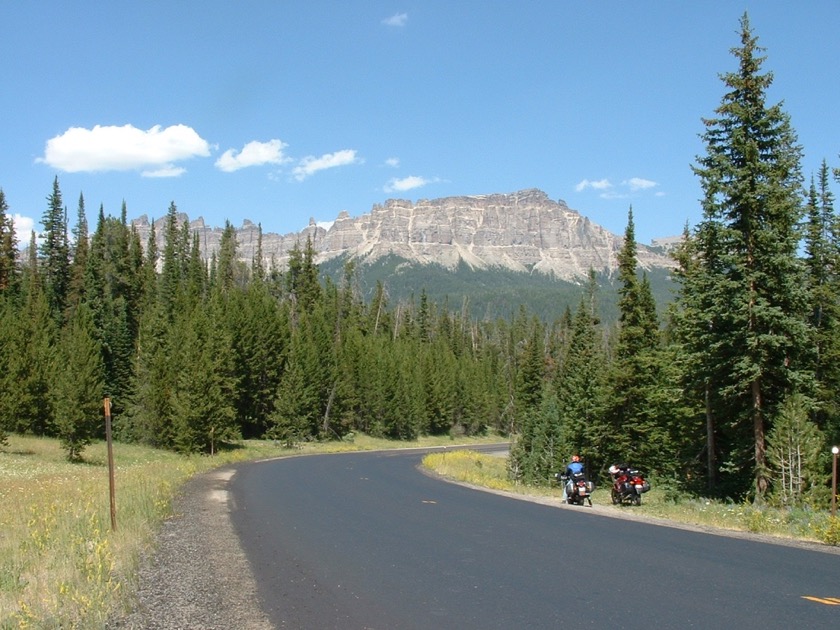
(732, 391)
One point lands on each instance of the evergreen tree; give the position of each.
(478, 399)
(531, 371)
(697, 323)
(344, 315)
(8, 248)
(581, 391)
(424, 325)
(173, 271)
(795, 446)
(822, 261)
(29, 347)
(297, 404)
(204, 415)
(226, 269)
(151, 414)
(403, 414)
(302, 284)
(351, 378)
(538, 451)
(537, 445)
(322, 333)
(633, 376)
(379, 319)
(55, 254)
(260, 337)
(148, 271)
(439, 374)
(751, 180)
(76, 390)
(376, 378)
(637, 310)
(257, 264)
(112, 291)
(196, 280)
(8, 323)
(78, 265)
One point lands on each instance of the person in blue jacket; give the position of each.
(574, 467)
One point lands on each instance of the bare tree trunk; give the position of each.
(761, 482)
(378, 313)
(325, 425)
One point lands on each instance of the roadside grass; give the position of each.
(61, 565)
(795, 523)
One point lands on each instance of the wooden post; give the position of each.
(110, 463)
(834, 452)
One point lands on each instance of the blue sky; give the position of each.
(278, 112)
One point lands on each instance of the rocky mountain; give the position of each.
(523, 231)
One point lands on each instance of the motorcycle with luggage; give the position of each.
(629, 485)
(577, 488)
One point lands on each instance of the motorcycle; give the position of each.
(628, 486)
(578, 489)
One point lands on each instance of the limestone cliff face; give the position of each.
(523, 231)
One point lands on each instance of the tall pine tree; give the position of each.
(636, 415)
(750, 175)
(76, 390)
(822, 261)
(8, 248)
(55, 254)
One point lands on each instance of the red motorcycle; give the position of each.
(628, 485)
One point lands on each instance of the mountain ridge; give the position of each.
(524, 231)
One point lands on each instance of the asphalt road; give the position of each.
(365, 540)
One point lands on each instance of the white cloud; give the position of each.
(124, 148)
(170, 170)
(601, 184)
(253, 154)
(613, 195)
(637, 183)
(398, 20)
(392, 162)
(311, 164)
(406, 183)
(634, 184)
(23, 228)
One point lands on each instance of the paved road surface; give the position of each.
(365, 540)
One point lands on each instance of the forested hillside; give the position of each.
(490, 294)
(732, 391)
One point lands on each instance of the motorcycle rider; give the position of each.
(573, 468)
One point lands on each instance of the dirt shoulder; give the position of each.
(197, 577)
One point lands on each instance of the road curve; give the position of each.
(365, 540)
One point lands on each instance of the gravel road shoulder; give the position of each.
(197, 577)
